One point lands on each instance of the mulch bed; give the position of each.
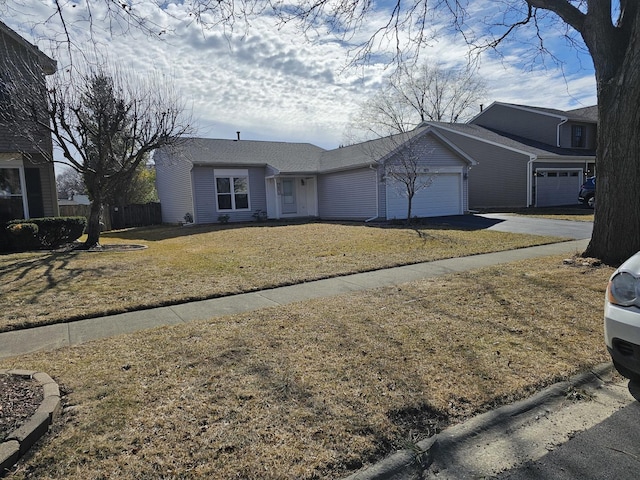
(19, 399)
(112, 247)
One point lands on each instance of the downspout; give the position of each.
(562, 122)
(532, 159)
(25, 195)
(377, 196)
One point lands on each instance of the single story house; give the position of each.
(208, 180)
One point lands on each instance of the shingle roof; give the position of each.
(366, 153)
(585, 114)
(532, 147)
(48, 64)
(287, 157)
(290, 157)
(308, 158)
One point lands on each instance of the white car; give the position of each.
(622, 318)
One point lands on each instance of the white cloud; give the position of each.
(271, 84)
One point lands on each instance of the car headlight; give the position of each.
(623, 289)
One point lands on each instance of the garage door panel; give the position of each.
(441, 197)
(557, 187)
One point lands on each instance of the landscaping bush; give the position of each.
(5, 238)
(51, 232)
(23, 235)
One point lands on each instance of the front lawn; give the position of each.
(189, 263)
(316, 389)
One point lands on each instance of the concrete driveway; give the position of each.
(505, 222)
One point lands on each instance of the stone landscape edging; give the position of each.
(22, 439)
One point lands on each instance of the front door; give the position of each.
(289, 196)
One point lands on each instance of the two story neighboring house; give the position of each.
(527, 156)
(27, 181)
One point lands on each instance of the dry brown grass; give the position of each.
(315, 389)
(183, 264)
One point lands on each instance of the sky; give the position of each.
(272, 82)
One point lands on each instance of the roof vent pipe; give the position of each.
(481, 107)
(238, 133)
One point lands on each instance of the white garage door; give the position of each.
(557, 187)
(442, 197)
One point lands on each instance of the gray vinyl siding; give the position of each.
(541, 163)
(27, 78)
(173, 183)
(347, 195)
(206, 210)
(465, 189)
(526, 124)
(590, 133)
(434, 154)
(382, 194)
(24, 71)
(500, 177)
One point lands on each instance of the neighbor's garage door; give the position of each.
(442, 197)
(557, 187)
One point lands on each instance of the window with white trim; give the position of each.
(578, 136)
(11, 200)
(232, 190)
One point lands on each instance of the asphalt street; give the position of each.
(504, 222)
(609, 450)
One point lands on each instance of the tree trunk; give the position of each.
(93, 225)
(616, 228)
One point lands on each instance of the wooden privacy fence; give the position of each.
(135, 215)
(120, 217)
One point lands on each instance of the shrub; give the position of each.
(23, 236)
(260, 215)
(5, 238)
(55, 231)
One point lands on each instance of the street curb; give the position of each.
(409, 463)
(22, 439)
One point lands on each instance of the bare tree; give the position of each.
(402, 161)
(408, 169)
(610, 33)
(105, 125)
(69, 182)
(608, 30)
(414, 95)
(410, 97)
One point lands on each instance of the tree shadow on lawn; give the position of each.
(166, 232)
(158, 233)
(54, 267)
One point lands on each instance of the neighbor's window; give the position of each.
(232, 192)
(11, 202)
(578, 136)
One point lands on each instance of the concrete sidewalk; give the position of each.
(73, 333)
